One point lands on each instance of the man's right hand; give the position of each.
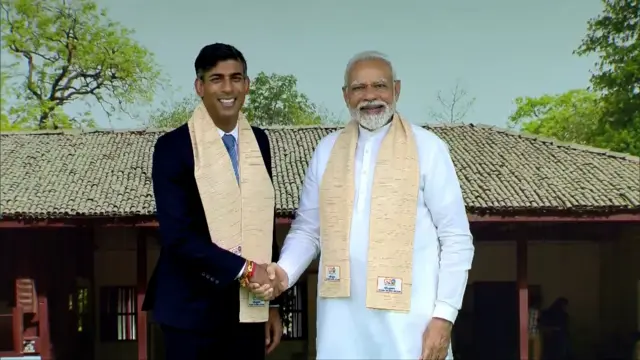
(279, 285)
(261, 276)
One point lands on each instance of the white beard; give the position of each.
(373, 121)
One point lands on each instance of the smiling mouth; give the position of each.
(372, 109)
(227, 103)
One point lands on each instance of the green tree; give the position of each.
(273, 100)
(607, 116)
(4, 115)
(614, 36)
(174, 114)
(71, 53)
(574, 116)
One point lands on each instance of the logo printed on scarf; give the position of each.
(255, 302)
(390, 285)
(332, 273)
(236, 250)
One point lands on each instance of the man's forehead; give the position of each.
(370, 70)
(228, 67)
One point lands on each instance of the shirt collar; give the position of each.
(233, 132)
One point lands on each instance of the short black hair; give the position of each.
(212, 54)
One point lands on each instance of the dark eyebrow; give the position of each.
(217, 75)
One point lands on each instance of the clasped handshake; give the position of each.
(266, 281)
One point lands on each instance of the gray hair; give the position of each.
(367, 55)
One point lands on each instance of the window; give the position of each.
(118, 314)
(294, 308)
(79, 302)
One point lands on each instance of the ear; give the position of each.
(199, 86)
(247, 85)
(345, 95)
(396, 88)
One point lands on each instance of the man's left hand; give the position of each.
(273, 330)
(436, 340)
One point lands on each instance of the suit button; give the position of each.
(203, 274)
(217, 282)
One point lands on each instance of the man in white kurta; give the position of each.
(442, 245)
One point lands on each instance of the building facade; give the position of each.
(78, 242)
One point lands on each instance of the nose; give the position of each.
(370, 95)
(226, 86)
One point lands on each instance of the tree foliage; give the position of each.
(174, 114)
(614, 36)
(574, 116)
(4, 116)
(273, 100)
(69, 52)
(607, 115)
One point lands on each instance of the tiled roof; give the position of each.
(107, 173)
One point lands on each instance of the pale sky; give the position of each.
(497, 49)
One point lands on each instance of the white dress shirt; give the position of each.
(442, 254)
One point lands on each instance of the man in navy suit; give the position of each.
(194, 290)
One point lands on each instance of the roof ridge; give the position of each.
(85, 131)
(149, 129)
(559, 143)
(448, 125)
(506, 131)
(511, 132)
(294, 127)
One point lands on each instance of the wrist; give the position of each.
(442, 323)
(249, 270)
(285, 270)
(444, 311)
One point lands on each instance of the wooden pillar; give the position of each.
(17, 316)
(141, 323)
(27, 301)
(523, 298)
(44, 335)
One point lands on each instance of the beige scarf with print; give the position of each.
(392, 218)
(239, 213)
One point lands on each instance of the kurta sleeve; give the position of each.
(302, 244)
(443, 198)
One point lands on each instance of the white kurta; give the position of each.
(442, 256)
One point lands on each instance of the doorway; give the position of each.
(495, 320)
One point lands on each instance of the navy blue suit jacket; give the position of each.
(194, 283)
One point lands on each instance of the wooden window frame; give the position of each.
(110, 316)
(295, 311)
